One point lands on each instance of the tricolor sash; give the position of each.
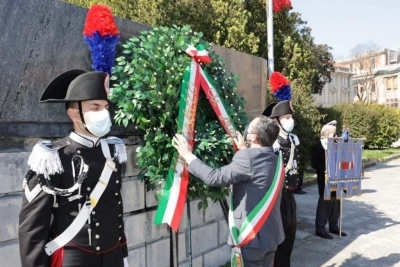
(257, 217)
(171, 206)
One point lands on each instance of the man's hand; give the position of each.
(239, 141)
(180, 143)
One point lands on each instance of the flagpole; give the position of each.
(270, 35)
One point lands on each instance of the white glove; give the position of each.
(126, 262)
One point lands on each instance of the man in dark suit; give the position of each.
(72, 206)
(251, 175)
(327, 210)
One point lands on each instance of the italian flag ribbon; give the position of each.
(172, 203)
(257, 217)
(344, 165)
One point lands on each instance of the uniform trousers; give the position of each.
(288, 212)
(255, 257)
(75, 257)
(327, 210)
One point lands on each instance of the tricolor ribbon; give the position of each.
(257, 217)
(345, 165)
(171, 206)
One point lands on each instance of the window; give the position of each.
(333, 81)
(373, 88)
(393, 102)
(361, 65)
(351, 67)
(391, 83)
(344, 81)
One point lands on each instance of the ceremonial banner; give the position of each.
(171, 206)
(343, 167)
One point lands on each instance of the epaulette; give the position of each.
(295, 139)
(276, 146)
(44, 158)
(119, 148)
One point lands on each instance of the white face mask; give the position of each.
(99, 122)
(287, 124)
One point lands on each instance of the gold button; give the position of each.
(119, 202)
(97, 248)
(88, 189)
(119, 215)
(116, 194)
(97, 224)
(120, 226)
(78, 152)
(119, 238)
(97, 236)
(93, 212)
(117, 181)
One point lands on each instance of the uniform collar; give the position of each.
(84, 140)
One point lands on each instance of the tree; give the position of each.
(363, 64)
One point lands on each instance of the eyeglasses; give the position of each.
(245, 138)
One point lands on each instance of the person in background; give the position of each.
(327, 210)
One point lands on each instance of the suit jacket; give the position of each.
(36, 226)
(251, 173)
(318, 157)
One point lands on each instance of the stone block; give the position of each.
(9, 210)
(45, 46)
(137, 257)
(132, 195)
(204, 238)
(182, 246)
(151, 200)
(213, 212)
(223, 232)
(140, 228)
(130, 168)
(217, 257)
(196, 216)
(9, 254)
(196, 262)
(253, 73)
(13, 168)
(157, 253)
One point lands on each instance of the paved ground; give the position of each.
(372, 222)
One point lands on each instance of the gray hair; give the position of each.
(326, 129)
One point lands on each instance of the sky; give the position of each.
(342, 24)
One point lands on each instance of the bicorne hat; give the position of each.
(275, 110)
(280, 87)
(77, 85)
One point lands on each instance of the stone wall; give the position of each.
(41, 39)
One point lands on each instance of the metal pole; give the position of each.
(171, 248)
(270, 36)
(340, 224)
(189, 233)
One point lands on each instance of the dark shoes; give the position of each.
(324, 235)
(336, 232)
(300, 191)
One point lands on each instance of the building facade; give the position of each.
(375, 76)
(371, 77)
(339, 90)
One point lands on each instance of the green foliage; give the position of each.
(239, 25)
(377, 123)
(148, 79)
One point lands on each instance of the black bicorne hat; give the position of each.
(77, 85)
(275, 110)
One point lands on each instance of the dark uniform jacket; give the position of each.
(36, 226)
(291, 175)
